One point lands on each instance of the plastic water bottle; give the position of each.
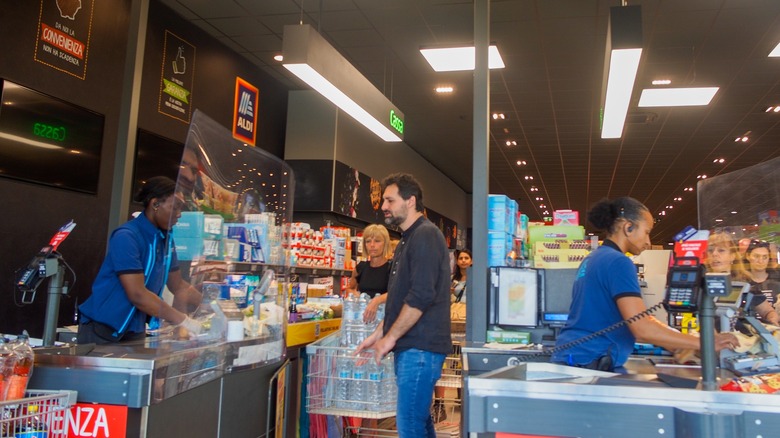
(7, 362)
(22, 369)
(362, 329)
(374, 386)
(389, 388)
(347, 321)
(343, 379)
(357, 390)
(380, 314)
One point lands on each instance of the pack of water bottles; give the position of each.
(354, 328)
(339, 382)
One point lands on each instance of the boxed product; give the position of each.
(190, 224)
(212, 226)
(554, 232)
(500, 244)
(188, 248)
(566, 217)
(502, 213)
(508, 337)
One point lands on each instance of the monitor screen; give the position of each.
(155, 156)
(48, 141)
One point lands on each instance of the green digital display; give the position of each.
(50, 132)
(396, 122)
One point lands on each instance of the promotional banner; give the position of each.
(92, 420)
(64, 29)
(178, 67)
(245, 112)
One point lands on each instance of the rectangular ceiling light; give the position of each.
(314, 61)
(775, 53)
(624, 50)
(459, 58)
(677, 96)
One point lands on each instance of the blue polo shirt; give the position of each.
(605, 275)
(138, 246)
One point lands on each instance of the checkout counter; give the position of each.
(511, 391)
(165, 387)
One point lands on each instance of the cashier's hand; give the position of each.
(192, 326)
(725, 341)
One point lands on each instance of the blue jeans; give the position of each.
(416, 373)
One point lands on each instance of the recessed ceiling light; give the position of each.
(775, 52)
(459, 58)
(718, 220)
(444, 89)
(528, 178)
(499, 116)
(661, 82)
(688, 189)
(511, 143)
(719, 160)
(521, 162)
(701, 176)
(678, 199)
(734, 212)
(279, 58)
(653, 97)
(670, 207)
(777, 109)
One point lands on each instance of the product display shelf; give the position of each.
(45, 411)
(298, 270)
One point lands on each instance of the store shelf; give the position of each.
(259, 267)
(307, 332)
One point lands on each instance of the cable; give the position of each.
(582, 340)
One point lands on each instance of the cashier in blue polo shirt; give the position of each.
(606, 292)
(140, 261)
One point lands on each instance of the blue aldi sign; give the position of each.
(245, 112)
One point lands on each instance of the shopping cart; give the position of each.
(322, 382)
(42, 410)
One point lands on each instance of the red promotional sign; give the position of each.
(690, 248)
(87, 420)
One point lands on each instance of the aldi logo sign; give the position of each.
(245, 112)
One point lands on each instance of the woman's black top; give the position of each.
(372, 280)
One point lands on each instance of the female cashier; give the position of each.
(606, 291)
(140, 260)
(371, 276)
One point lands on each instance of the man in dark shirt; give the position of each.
(417, 315)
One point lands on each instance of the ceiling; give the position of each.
(550, 90)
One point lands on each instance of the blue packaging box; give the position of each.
(190, 224)
(188, 248)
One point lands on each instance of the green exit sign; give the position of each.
(396, 122)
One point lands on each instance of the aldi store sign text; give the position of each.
(245, 112)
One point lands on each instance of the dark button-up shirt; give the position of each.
(420, 278)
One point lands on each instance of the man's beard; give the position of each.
(393, 220)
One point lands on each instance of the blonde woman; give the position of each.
(371, 276)
(723, 256)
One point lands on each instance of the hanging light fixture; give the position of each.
(624, 50)
(313, 60)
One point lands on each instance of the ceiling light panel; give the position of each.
(459, 58)
(655, 97)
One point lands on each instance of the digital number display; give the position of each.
(50, 132)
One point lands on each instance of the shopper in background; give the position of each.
(723, 256)
(606, 292)
(758, 254)
(457, 311)
(417, 316)
(140, 261)
(458, 286)
(371, 276)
